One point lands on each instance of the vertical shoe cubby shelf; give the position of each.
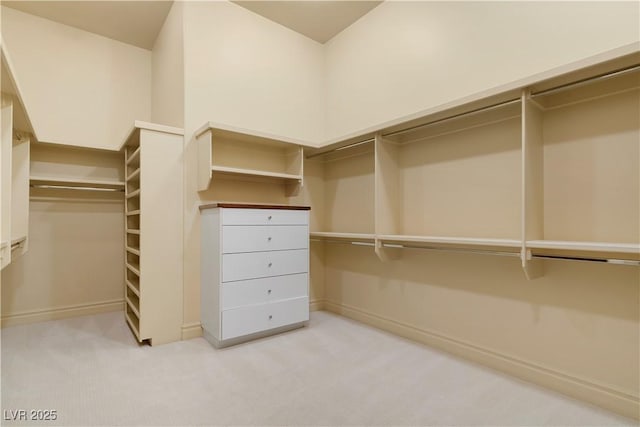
(545, 170)
(153, 232)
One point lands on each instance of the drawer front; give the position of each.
(254, 265)
(246, 320)
(261, 291)
(253, 238)
(232, 216)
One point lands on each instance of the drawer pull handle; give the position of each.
(269, 239)
(269, 291)
(270, 317)
(270, 217)
(270, 264)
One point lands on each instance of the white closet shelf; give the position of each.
(133, 194)
(135, 270)
(327, 235)
(601, 247)
(133, 288)
(75, 182)
(133, 250)
(132, 213)
(469, 242)
(132, 323)
(134, 156)
(133, 231)
(134, 174)
(226, 170)
(133, 307)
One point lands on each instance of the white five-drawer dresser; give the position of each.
(254, 270)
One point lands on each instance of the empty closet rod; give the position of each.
(344, 147)
(460, 250)
(586, 259)
(588, 80)
(71, 187)
(455, 116)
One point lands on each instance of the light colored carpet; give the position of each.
(333, 372)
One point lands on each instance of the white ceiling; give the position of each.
(318, 20)
(139, 22)
(133, 22)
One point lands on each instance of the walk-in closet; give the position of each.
(320, 213)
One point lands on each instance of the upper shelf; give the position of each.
(75, 183)
(510, 245)
(628, 251)
(610, 83)
(230, 153)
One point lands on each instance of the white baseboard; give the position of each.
(605, 397)
(316, 305)
(57, 313)
(191, 330)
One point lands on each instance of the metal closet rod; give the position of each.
(455, 116)
(344, 242)
(483, 252)
(588, 80)
(587, 259)
(344, 147)
(460, 250)
(71, 187)
(560, 88)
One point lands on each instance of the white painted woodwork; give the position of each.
(264, 264)
(254, 274)
(20, 195)
(235, 216)
(153, 211)
(263, 290)
(5, 183)
(256, 318)
(532, 183)
(228, 152)
(268, 238)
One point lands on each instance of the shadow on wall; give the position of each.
(593, 287)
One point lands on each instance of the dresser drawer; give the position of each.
(254, 265)
(261, 291)
(256, 238)
(232, 216)
(256, 318)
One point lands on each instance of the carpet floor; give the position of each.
(333, 372)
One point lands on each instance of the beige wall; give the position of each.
(405, 57)
(246, 71)
(167, 89)
(578, 324)
(74, 265)
(78, 88)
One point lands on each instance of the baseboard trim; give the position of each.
(58, 313)
(316, 305)
(605, 397)
(191, 330)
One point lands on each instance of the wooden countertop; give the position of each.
(253, 206)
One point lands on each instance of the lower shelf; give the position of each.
(598, 250)
(508, 245)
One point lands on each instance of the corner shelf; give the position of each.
(231, 153)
